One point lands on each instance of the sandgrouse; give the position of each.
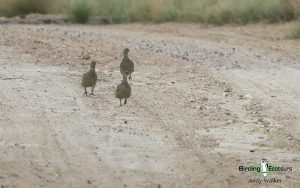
(89, 79)
(126, 66)
(123, 90)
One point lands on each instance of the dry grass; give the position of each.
(22, 7)
(11, 8)
(207, 11)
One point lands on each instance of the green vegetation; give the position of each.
(11, 8)
(80, 10)
(206, 11)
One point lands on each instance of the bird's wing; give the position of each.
(83, 78)
(131, 65)
(118, 88)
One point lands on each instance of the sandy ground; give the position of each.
(204, 101)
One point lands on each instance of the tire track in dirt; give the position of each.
(179, 127)
(55, 153)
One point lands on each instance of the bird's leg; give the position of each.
(125, 101)
(120, 102)
(93, 90)
(129, 76)
(85, 92)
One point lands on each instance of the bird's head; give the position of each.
(125, 74)
(93, 64)
(125, 51)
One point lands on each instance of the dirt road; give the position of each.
(204, 101)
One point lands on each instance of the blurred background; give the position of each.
(215, 12)
(118, 11)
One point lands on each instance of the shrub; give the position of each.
(80, 10)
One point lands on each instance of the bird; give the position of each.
(123, 90)
(126, 66)
(89, 79)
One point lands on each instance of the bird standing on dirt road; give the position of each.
(123, 90)
(126, 66)
(89, 79)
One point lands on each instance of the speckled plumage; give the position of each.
(126, 66)
(89, 79)
(123, 90)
